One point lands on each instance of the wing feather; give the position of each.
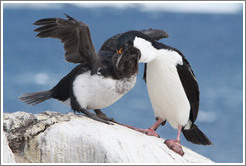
(191, 88)
(73, 34)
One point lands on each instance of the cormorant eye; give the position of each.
(126, 46)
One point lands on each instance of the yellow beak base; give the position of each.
(119, 51)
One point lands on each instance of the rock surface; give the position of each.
(52, 137)
(8, 155)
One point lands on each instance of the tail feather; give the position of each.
(196, 136)
(36, 97)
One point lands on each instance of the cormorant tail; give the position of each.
(36, 97)
(196, 136)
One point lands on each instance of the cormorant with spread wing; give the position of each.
(100, 79)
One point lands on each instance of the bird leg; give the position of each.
(174, 144)
(93, 116)
(102, 115)
(150, 131)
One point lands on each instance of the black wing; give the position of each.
(155, 34)
(74, 34)
(190, 86)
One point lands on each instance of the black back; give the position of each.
(111, 44)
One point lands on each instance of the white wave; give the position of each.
(225, 8)
(35, 6)
(41, 78)
(190, 7)
(36, 79)
(103, 5)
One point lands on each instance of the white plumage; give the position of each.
(165, 89)
(166, 92)
(96, 92)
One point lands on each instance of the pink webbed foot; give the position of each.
(145, 131)
(149, 132)
(175, 145)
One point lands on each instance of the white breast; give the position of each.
(165, 89)
(96, 92)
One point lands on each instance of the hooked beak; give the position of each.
(118, 61)
(119, 52)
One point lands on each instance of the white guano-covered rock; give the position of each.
(8, 155)
(56, 138)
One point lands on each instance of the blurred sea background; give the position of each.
(210, 35)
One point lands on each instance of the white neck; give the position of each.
(147, 50)
(149, 53)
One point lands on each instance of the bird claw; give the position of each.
(175, 146)
(94, 116)
(100, 119)
(103, 116)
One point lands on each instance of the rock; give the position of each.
(52, 137)
(8, 155)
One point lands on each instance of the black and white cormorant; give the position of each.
(172, 87)
(100, 79)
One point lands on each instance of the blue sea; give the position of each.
(212, 43)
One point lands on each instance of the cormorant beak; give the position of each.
(118, 60)
(119, 52)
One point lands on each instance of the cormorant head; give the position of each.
(126, 40)
(127, 55)
(135, 40)
(127, 63)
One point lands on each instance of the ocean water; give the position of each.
(212, 43)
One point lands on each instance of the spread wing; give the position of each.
(73, 34)
(191, 88)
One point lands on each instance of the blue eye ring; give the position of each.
(126, 46)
